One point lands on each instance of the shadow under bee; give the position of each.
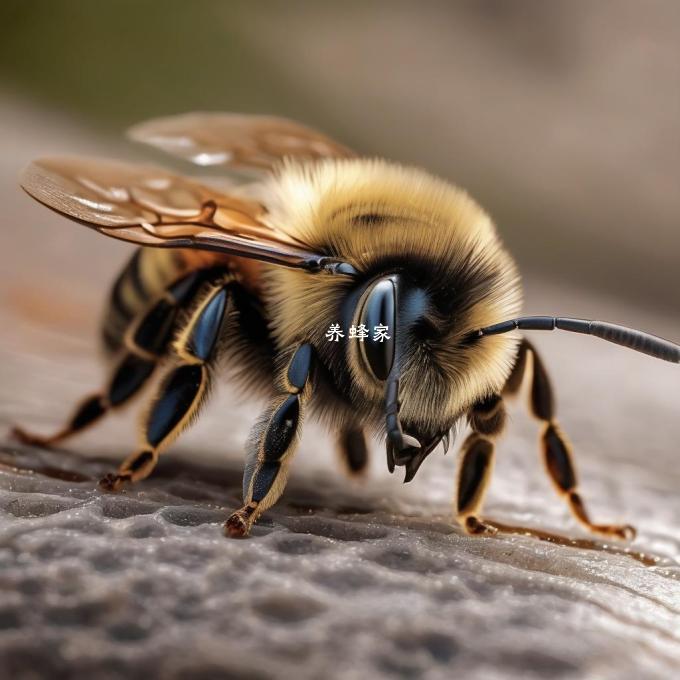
(647, 559)
(63, 465)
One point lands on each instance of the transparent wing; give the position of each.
(231, 139)
(153, 207)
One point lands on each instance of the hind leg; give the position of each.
(351, 444)
(146, 342)
(183, 388)
(128, 377)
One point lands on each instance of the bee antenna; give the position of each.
(620, 335)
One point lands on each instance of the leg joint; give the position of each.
(299, 368)
(281, 429)
(488, 416)
(200, 337)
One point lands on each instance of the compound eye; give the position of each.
(378, 317)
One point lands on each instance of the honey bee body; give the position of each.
(372, 295)
(358, 211)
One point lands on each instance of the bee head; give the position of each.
(409, 345)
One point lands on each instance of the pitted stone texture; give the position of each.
(335, 580)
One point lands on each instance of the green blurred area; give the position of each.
(116, 62)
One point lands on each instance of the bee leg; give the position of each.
(272, 444)
(88, 411)
(487, 419)
(557, 452)
(519, 369)
(146, 342)
(353, 450)
(181, 391)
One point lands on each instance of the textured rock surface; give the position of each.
(341, 579)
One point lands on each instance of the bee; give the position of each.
(276, 277)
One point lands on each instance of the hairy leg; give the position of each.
(487, 420)
(351, 443)
(273, 443)
(146, 343)
(557, 454)
(183, 389)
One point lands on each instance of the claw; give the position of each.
(405, 456)
(446, 441)
(236, 526)
(404, 447)
(413, 465)
(112, 482)
(390, 455)
(417, 460)
(409, 442)
(239, 522)
(25, 437)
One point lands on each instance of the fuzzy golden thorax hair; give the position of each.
(382, 218)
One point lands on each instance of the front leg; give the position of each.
(272, 444)
(487, 420)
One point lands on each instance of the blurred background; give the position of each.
(561, 118)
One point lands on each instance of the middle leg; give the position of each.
(273, 443)
(487, 420)
(351, 444)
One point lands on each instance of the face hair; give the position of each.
(620, 335)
